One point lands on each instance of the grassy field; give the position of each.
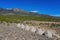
(17, 19)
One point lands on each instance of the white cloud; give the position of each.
(9, 8)
(34, 11)
(56, 15)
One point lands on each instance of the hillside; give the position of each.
(17, 15)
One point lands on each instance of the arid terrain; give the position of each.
(10, 31)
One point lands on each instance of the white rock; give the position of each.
(40, 31)
(33, 29)
(27, 28)
(18, 25)
(48, 33)
(22, 26)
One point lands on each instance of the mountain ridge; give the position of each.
(19, 14)
(17, 11)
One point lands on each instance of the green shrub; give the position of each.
(17, 19)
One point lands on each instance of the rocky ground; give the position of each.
(11, 32)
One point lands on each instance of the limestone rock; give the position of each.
(27, 28)
(33, 29)
(40, 31)
(48, 33)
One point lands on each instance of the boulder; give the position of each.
(48, 33)
(33, 29)
(40, 31)
(27, 28)
(19, 25)
(22, 26)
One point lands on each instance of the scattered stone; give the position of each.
(16, 32)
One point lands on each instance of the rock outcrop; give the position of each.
(48, 32)
(14, 31)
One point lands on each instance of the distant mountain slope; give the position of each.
(16, 13)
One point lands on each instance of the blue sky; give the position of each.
(50, 7)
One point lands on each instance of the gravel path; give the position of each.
(13, 33)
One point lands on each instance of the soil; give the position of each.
(11, 32)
